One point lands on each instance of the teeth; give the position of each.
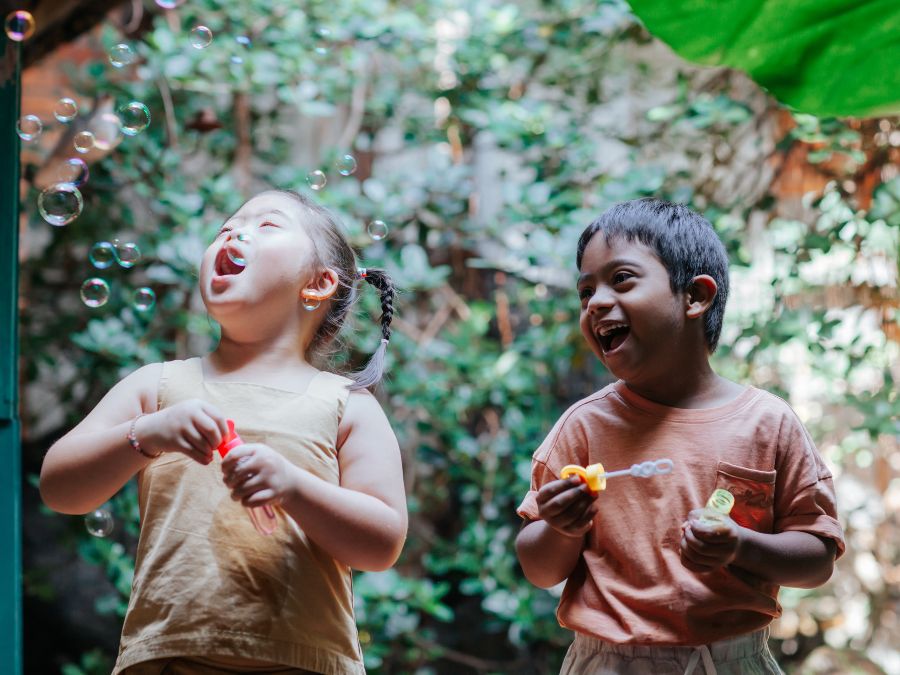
(610, 327)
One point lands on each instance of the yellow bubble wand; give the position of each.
(595, 476)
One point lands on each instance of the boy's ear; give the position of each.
(322, 286)
(700, 295)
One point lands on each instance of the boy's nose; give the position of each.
(601, 300)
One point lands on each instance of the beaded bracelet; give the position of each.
(133, 441)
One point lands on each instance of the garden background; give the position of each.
(485, 136)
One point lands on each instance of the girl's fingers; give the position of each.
(208, 430)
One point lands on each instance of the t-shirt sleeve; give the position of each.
(566, 444)
(804, 491)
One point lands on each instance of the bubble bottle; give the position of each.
(715, 513)
(263, 517)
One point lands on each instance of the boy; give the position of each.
(649, 590)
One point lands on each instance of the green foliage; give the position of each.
(830, 58)
(480, 144)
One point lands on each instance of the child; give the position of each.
(649, 590)
(210, 593)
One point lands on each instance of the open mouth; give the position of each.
(225, 263)
(612, 335)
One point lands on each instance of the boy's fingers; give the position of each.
(554, 488)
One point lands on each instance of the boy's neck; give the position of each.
(690, 388)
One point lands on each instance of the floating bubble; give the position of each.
(102, 255)
(128, 254)
(346, 165)
(107, 131)
(143, 299)
(201, 37)
(236, 255)
(66, 109)
(83, 142)
(73, 171)
(19, 25)
(135, 118)
(29, 127)
(99, 522)
(122, 55)
(169, 4)
(316, 179)
(377, 229)
(60, 204)
(94, 292)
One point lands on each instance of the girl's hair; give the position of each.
(333, 250)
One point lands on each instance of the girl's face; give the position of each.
(268, 233)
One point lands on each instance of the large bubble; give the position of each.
(60, 204)
(19, 25)
(135, 118)
(94, 292)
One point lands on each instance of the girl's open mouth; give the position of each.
(225, 265)
(612, 336)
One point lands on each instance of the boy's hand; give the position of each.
(257, 475)
(707, 547)
(193, 427)
(568, 506)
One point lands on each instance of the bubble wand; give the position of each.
(595, 476)
(263, 517)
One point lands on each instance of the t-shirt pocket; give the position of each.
(754, 495)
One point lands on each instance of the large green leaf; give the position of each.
(825, 57)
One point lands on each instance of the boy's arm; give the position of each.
(548, 549)
(94, 460)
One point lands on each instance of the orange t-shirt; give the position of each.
(630, 586)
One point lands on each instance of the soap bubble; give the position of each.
(29, 127)
(122, 55)
(316, 179)
(94, 292)
(169, 4)
(60, 204)
(66, 109)
(128, 254)
(102, 255)
(235, 254)
(201, 37)
(377, 229)
(107, 131)
(99, 522)
(143, 299)
(19, 25)
(73, 171)
(346, 165)
(135, 118)
(83, 142)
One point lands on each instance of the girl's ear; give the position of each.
(700, 295)
(322, 286)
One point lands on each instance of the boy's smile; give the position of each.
(630, 317)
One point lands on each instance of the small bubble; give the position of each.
(236, 255)
(143, 299)
(94, 292)
(60, 204)
(346, 165)
(316, 179)
(19, 25)
(29, 127)
(66, 109)
(73, 171)
(122, 55)
(102, 255)
(107, 131)
(201, 37)
(128, 254)
(99, 523)
(135, 118)
(83, 142)
(377, 229)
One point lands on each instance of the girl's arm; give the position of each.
(361, 522)
(94, 460)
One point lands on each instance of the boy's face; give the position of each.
(630, 317)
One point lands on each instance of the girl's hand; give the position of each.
(257, 475)
(568, 506)
(705, 547)
(193, 427)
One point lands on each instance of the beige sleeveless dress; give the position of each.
(206, 583)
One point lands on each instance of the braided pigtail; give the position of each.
(374, 370)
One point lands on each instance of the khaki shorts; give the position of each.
(743, 655)
(195, 666)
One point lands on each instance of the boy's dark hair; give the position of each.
(684, 241)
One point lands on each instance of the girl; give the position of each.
(210, 593)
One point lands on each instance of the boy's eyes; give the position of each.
(622, 276)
